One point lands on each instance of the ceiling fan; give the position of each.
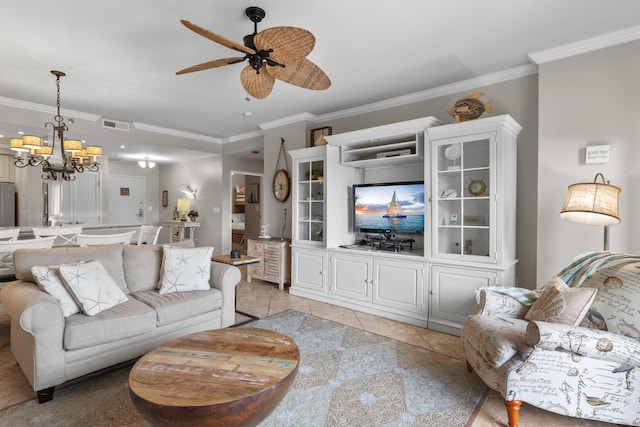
(275, 53)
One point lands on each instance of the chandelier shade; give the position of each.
(146, 164)
(31, 142)
(56, 164)
(72, 145)
(16, 145)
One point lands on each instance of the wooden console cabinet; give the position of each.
(274, 265)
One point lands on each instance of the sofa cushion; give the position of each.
(109, 255)
(559, 303)
(185, 269)
(176, 306)
(496, 339)
(49, 280)
(143, 263)
(91, 286)
(124, 320)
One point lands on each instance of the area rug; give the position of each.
(346, 377)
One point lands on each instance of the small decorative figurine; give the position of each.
(470, 108)
(264, 232)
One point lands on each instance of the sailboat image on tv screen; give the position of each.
(394, 210)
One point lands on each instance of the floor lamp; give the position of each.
(593, 203)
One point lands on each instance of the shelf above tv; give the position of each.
(389, 145)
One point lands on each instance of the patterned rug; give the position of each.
(346, 377)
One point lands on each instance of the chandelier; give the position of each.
(146, 164)
(71, 158)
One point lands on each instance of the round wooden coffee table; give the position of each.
(222, 377)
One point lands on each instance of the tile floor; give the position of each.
(264, 299)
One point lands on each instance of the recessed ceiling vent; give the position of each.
(115, 124)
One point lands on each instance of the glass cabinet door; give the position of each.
(463, 197)
(310, 201)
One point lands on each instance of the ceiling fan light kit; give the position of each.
(275, 53)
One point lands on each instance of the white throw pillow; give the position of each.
(185, 269)
(92, 286)
(48, 278)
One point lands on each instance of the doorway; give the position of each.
(246, 211)
(126, 199)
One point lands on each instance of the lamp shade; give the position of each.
(183, 205)
(592, 203)
(146, 164)
(30, 141)
(94, 150)
(16, 144)
(72, 145)
(45, 151)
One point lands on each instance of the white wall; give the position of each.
(206, 175)
(589, 99)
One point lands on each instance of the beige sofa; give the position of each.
(52, 349)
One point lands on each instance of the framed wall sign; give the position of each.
(165, 198)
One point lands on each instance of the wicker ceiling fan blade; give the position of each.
(303, 73)
(287, 43)
(257, 85)
(211, 64)
(216, 37)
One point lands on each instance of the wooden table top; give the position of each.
(244, 259)
(214, 367)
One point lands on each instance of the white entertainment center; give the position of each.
(427, 278)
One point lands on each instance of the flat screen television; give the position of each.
(389, 208)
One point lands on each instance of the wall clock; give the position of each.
(281, 187)
(281, 183)
(477, 187)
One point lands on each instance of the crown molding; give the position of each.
(473, 83)
(41, 108)
(296, 118)
(178, 133)
(243, 136)
(465, 85)
(585, 46)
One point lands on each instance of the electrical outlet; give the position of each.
(216, 210)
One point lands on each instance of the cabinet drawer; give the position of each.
(255, 248)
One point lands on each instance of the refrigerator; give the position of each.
(7, 204)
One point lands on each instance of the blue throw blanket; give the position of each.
(574, 274)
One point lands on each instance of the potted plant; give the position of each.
(193, 215)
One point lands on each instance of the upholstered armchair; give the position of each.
(571, 347)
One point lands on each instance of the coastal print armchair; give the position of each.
(571, 347)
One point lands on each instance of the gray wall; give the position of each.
(589, 99)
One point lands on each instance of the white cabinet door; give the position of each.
(350, 276)
(398, 284)
(453, 292)
(309, 267)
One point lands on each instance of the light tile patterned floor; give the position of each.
(263, 299)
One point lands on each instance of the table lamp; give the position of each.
(593, 203)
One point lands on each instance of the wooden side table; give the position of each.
(181, 226)
(223, 377)
(274, 254)
(241, 263)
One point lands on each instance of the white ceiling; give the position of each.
(120, 56)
